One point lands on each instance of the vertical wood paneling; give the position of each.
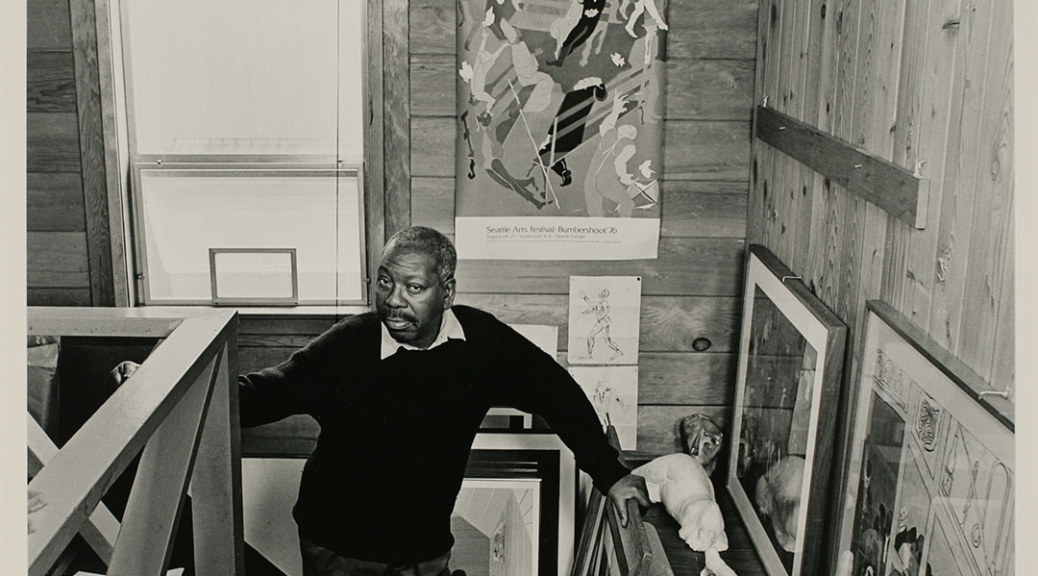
(816, 275)
(885, 25)
(906, 135)
(374, 142)
(938, 126)
(755, 211)
(760, 217)
(781, 184)
(992, 210)
(810, 24)
(92, 151)
(926, 84)
(955, 225)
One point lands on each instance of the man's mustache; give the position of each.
(400, 316)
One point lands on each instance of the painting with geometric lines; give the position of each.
(950, 451)
(559, 128)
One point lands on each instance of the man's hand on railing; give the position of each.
(627, 488)
(122, 372)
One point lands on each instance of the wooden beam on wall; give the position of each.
(92, 151)
(374, 178)
(397, 86)
(891, 187)
(116, 180)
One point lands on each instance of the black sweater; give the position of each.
(396, 433)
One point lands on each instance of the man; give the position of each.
(400, 394)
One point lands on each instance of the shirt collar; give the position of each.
(450, 329)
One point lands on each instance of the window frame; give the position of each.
(369, 171)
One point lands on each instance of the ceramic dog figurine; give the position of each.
(684, 487)
(702, 439)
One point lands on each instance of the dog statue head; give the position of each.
(702, 439)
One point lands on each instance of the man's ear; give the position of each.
(449, 291)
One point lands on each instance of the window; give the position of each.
(246, 134)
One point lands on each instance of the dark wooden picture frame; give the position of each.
(530, 454)
(787, 389)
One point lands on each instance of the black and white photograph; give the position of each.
(517, 287)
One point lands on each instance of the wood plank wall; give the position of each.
(692, 290)
(928, 86)
(69, 258)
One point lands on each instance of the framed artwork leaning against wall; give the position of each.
(930, 484)
(787, 389)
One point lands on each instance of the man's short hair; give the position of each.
(427, 241)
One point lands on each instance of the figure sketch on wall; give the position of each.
(600, 308)
(603, 328)
(540, 88)
(613, 391)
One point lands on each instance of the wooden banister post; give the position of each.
(100, 530)
(216, 484)
(153, 510)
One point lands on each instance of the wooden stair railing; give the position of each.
(179, 412)
(633, 545)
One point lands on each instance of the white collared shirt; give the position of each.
(450, 329)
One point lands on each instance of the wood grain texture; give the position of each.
(57, 260)
(57, 296)
(992, 209)
(54, 203)
(48, 25)
(433, 89)
(881, 182)
(760, 159)
(92, 152)
(712, 29)
(704, 209)
(906, 137)
(374, 139)
(694, 150)
(50, 84)
(815, 25)
(685, 266)
(116, 185)
(709, 90)
(937, 128)
(961, 167)
(433, 27)
(52, 142)
(396, 81)
(312, 325)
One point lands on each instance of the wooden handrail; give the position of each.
(167, 396)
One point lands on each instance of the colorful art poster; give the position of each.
(560, 129)
(604, 319)
(613, 391)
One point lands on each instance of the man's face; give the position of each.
(409, 296)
